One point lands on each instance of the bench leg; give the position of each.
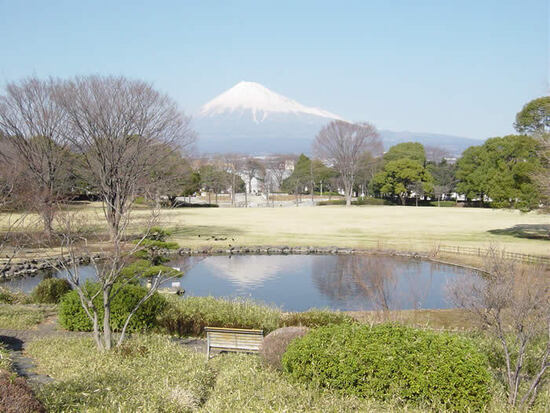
(207, 348)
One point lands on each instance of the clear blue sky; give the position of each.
(456, 67)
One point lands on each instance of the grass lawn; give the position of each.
(398, 227)
(21, 316)
(362, 227)
(5, 361)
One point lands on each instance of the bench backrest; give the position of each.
(234, 338)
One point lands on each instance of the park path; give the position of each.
(16, 341)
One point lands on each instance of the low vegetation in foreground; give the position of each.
(22, 317)
(319, 360)
(153, 373)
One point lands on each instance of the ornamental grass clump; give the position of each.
(8, 296)
(188, 316)
(316, 318)
(390, 362)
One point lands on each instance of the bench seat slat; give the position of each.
(233, 339)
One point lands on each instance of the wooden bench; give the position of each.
(233, 339)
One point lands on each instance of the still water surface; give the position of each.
(300, 282)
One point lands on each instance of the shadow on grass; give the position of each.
(529, 231)
(90, 391)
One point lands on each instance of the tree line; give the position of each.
(52, 152)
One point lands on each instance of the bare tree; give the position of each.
(234, 166)
(512, 303)
(35, 126)
(435, 153)
(121, 128)
(108, 267)
(252, 169)
(278, 167)
(341, 144)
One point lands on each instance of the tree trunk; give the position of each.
(47, 217)
(107, 336)
(348, 191)
(209, 196)
(233, 185)
(403, 199)
(416, 200)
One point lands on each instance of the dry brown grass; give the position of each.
(385, 227)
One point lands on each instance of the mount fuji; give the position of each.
(250, 118)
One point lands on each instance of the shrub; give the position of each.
(315, 318)
(388, 362)
(189, 315)
(276, 342)
(50, 290)
(16, 395)
(8, 296)
(73, 317)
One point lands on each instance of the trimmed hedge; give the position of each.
(393, 362)
(50, 290)
(72, 316)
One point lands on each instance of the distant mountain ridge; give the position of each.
(250, 118)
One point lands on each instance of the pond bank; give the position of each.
(37, 265)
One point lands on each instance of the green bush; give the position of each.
(8, 296)
(391, 362)
(315, 318)
(189, 315)
(50, 290)
(73, 317)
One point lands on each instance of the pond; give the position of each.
(300, 282)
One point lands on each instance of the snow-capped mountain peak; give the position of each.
(260, 101)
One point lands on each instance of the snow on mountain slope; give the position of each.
(250, 118)
(260, 101)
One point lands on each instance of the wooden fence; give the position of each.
(482, 252)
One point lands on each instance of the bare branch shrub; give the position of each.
(512, 304)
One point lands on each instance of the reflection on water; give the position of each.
(300, 282)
